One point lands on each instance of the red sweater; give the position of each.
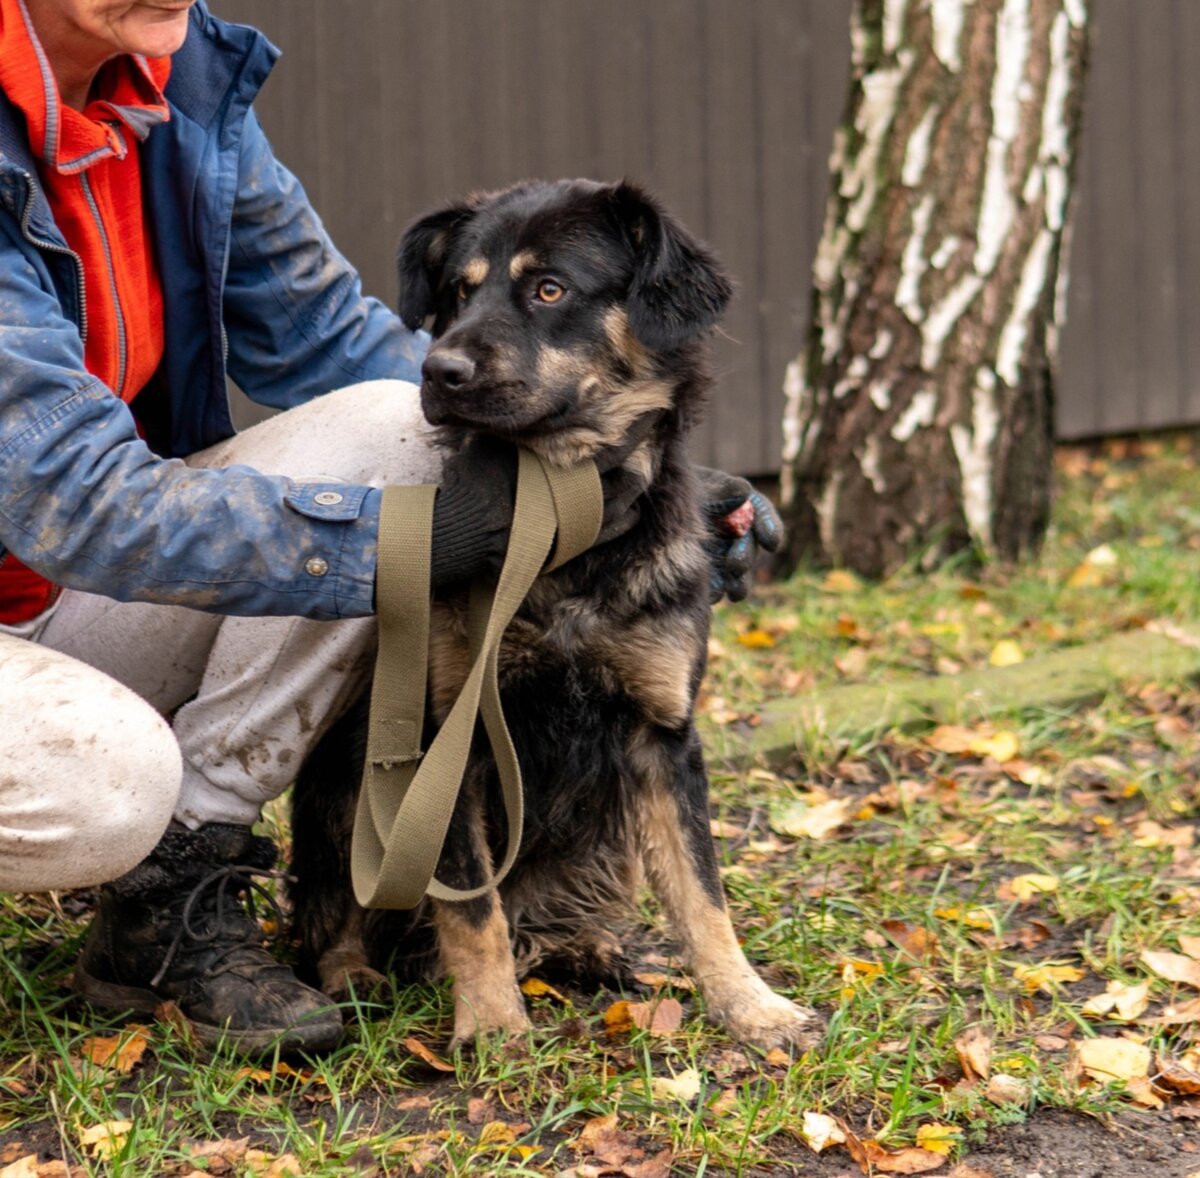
(88, 166)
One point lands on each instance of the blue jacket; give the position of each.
(252, 285)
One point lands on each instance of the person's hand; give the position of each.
(473, 511)
(740, 522)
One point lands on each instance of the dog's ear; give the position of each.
(421, 257)
(678, 288)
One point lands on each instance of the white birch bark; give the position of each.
(919, 418)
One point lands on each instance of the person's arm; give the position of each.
(85, 502)
(298, 322)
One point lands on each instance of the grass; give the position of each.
(902, 924)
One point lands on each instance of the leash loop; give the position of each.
(408, 796)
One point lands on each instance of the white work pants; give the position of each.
(90, 771)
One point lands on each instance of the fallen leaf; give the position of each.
(756, 640)
(951, 738)
(1046, 976)
(285, 1166)
(676, 981)
(938, 1138)
(913, 940)
(1025, 887)
(1005, 1089)
(1190, 945)
(617, 1018)
(661, 1017)
(974, 1048)
(720, 829)
(1000, 746)
(777, 1058)
(962, 1170)
(979, 918)
(1113, 1059)
(1006, 653)
(800, 819)
(118, 1053)
(497, 1133)
(104, 1140)
(1181, 1075)
(819, 1131)
(536, 988)
(684, 1087)
(26, 1167)
(1173, 967)
(841, 581)
(1120, 1001)
(427, 1055)
(1174, 1015)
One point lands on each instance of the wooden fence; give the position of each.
(385, 108)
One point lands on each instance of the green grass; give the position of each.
(929, 835)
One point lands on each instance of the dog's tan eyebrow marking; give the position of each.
(475, 271)
(525, 260)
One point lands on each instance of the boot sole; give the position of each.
(320, 1034)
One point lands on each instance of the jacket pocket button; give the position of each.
(327, 498)
(316, 566)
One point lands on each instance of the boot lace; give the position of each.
(228, 891)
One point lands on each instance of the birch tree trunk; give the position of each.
(919, 422)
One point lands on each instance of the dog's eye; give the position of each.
(549, 291)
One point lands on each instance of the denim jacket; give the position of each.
(252, 286)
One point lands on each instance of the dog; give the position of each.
(567, 317)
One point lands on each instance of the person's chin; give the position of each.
(160, 30)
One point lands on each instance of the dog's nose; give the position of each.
(447, 369)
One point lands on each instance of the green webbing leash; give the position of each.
(408, 797)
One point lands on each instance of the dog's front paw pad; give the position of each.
(778, 1024)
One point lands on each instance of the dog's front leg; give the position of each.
(681, 864)
(473, 935)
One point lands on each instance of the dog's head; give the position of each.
(562, 312)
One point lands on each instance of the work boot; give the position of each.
(180, 926)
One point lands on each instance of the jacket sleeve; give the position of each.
(85, 502)
(298, 322)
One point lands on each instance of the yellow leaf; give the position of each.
(1114, 1059)
(819, 1131)
(1006, 653)
(756, 639)
(1046, 977)
(1025, 887)
(937, 1138)
(536, 988)
(684, 1087)
(104, 1140)
(979, 918)
(1001, 746)
(497, 1133)
(841, 581)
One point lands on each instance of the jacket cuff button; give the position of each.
(327, 498)
(316, 566)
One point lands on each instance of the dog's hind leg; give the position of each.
(682, 868)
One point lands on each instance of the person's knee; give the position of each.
(89, 773)
(372, 433)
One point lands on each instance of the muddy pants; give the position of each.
(91, 772)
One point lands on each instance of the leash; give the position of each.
(408, 796)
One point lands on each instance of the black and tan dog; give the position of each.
(568, 317)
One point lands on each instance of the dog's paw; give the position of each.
(775, 1022)
(502, 1015)
(360, 982)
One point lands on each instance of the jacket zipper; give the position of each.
(54, 248)
(119, 387)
